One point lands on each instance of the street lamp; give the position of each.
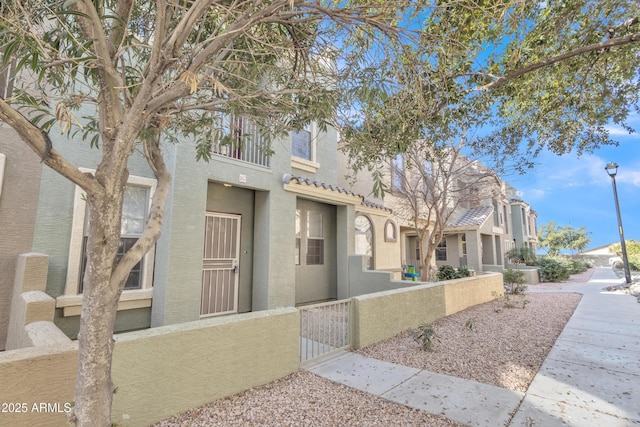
(612, 170)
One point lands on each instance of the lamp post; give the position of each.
(612, 170)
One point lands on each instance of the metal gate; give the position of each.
(324, 328)
(220, 264)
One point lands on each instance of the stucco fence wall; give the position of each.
(163, 371)
(158, 372)
(385, 314)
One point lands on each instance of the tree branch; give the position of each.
(631, 38)
(153, 227)
(34, 137)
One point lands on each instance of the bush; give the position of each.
(525, 255)
(554, 268)
(425, 335)
(514, 282)
(577, 266)
(447, 272)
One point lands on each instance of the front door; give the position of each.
(220, 264)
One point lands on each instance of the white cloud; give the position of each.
(618, 131)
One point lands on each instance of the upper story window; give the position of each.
(397, 173)
(301, 144)
(303, 149)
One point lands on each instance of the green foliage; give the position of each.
(554, 238)
(554, 268)
(633, 252)
(533, 92)
(447, 272)
(523, 254)
(470, 324)
(514, 281)
(425, 335)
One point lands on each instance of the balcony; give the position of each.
(241, 140)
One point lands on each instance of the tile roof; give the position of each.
(288, 179)
(473, 217)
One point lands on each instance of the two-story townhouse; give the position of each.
(247, 231)
(479, 225)
(524, 218)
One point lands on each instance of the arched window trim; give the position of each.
(393, 236)
(372, 229)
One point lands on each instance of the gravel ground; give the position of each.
(490, 343)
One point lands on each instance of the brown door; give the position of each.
(220, 264)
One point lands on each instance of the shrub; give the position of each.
(577, 266)
(463, 272)
(554, 268)
(514, 282)
(447, 272)
(425, 335)
(525, 255)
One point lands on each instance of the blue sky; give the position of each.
(577, 191)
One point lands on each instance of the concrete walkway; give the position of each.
(590, 378)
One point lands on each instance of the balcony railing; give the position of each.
(242, 142)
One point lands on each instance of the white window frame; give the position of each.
(308, 165)
(71, 301)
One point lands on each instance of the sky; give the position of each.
(577, 191)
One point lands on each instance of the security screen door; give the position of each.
(220, 264)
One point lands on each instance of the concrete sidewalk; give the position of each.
(591, 376)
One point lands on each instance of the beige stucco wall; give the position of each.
(383, 315)
(159, 372)
(461, 294)
(167, 370)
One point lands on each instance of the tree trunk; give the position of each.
(94, 387)
(426, 267)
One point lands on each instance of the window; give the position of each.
(441, 251)
(364, 239)
(297, 254)
(301, 144)
(134, 216)
(506, 220)
(390, 231)
(463, 242)
(138, 289)
(315, 238)
(397, 173)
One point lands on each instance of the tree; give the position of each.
(633, 252)
(429, 186)
(529, 75)
(553, 238)
(157, 72)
